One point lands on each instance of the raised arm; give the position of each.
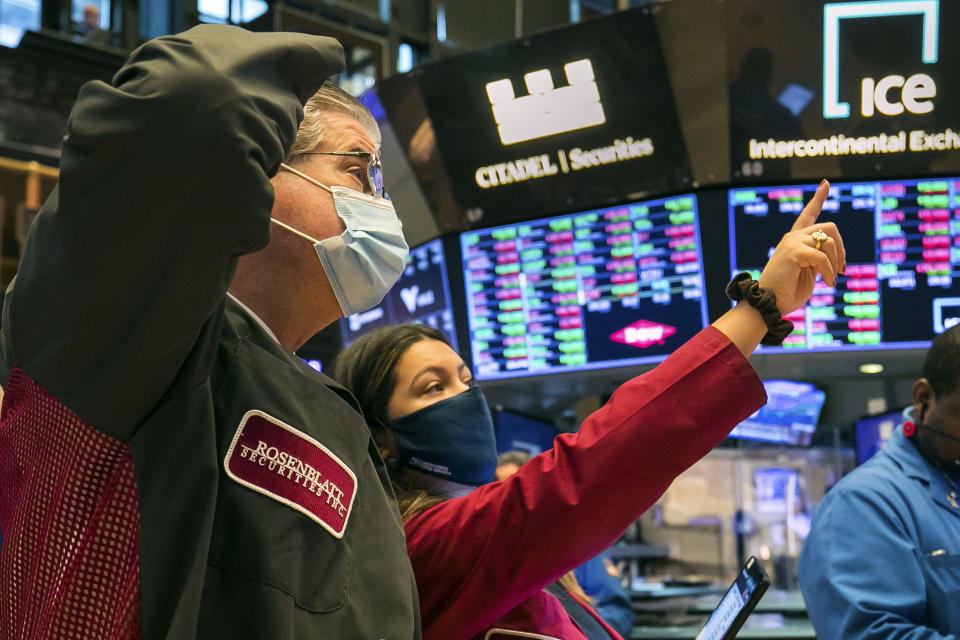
(514, 537)
(566, 505)
(790, 273)
(163, 184)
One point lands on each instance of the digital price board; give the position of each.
(608, 287)
(902, 239)
(421, 295)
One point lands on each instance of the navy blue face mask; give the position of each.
(452, 439)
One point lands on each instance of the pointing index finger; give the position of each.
(810, 212)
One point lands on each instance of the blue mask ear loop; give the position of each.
(308, 179)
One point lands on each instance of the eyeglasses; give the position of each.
(373, 175)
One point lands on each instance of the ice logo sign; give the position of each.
(892, 94)
(946, 314)
(545, 110)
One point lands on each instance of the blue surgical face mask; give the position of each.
(365, 260)
(452, 439)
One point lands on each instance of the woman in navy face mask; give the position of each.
(486, 554)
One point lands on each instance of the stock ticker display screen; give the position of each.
(420, 296)
(789, 417)
(902, 239)
(609, 287)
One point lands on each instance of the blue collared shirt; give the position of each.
(883, 556)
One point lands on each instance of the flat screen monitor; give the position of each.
(520, 433)
(577, 117)
(420, 296)
(774, 488)
(902, 239)
(789, 417)
(609, 287)
(857, 89)
(871, 434)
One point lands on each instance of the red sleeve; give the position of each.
(478, 556)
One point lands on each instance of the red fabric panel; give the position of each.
(544, 615)
(69, 565)
(568, 504)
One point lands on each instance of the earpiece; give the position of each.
(909, 429)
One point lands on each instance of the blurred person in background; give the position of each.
(89, 27)
(509, 462)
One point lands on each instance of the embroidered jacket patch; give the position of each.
(275, 459)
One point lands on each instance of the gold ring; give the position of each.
(819, 237)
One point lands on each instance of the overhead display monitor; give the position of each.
(421, 296)
(520, 433)
(577, 117)
(854, 89)
(774, 489)
(872, 434)
(789, 417)
(902, 239)
(609, 287)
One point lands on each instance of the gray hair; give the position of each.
(328, 98)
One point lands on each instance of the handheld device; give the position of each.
(737, 603)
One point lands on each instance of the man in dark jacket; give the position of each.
(169, 469)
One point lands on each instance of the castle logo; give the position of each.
(546, 110)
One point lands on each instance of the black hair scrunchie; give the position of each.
(743, 287)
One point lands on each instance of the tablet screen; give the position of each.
(734, 601)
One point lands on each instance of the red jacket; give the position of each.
(481, 561)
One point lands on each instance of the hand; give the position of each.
(792, 269)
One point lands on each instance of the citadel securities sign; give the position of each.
(587, 118)
(887, 92)
(567, 160)
(547, 111)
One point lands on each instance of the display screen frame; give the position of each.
(853, 237)
(876, 441)
(389, 312)
(640, 127)
(610, 363)
(797, 435)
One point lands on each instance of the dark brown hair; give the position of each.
(368, 369)
(368, 366)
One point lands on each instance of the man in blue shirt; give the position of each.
(883, 556)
